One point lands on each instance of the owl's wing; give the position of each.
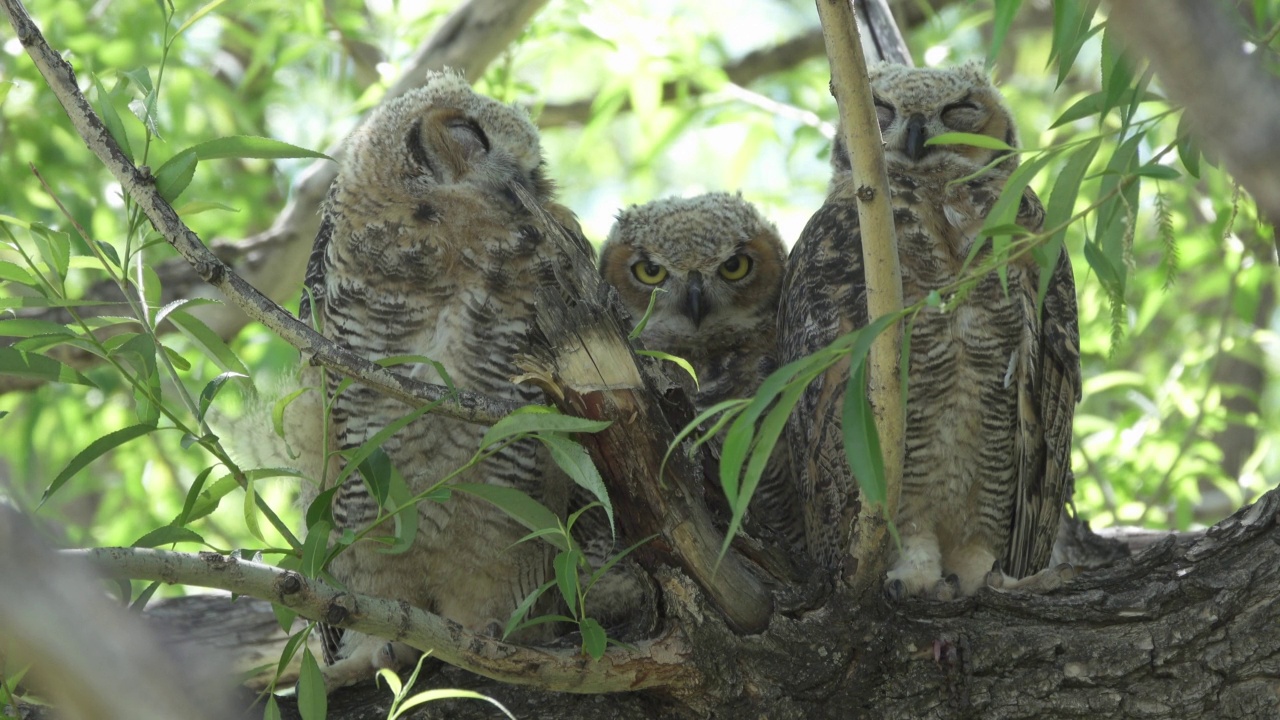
(823, 297)
(1044, 479)
(313, 283)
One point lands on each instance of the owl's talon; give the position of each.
(895, 590)
(946, 589)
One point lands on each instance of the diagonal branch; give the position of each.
(460, 404)
(861, 134)
(651, 663)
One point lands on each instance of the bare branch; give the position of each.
(852, 88)
(1232, 101)
(460, 404)
(653, 663)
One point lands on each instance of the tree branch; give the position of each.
(861, 132)
(620, 670)
(1232, 102)
(460, 404)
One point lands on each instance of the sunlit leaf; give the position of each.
(168, 535)
(175, 174)
(95, 450)
(248, 146)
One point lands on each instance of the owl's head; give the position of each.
(915, 104)
(444, 134)
(714, 260)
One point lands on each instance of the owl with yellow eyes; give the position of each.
(994, 372)
(712, 267)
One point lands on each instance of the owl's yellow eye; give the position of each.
(649, 272)
(736, 267)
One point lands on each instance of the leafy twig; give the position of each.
(459, 404)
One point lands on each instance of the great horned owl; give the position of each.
(716, 264)
(993, 377)
(435, 235)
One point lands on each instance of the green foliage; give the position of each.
(228, 104)
(403, 702)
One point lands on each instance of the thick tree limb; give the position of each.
(1232, 101)
(653, 663)
(461, 404)
(852, 89)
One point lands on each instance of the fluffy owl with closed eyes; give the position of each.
(994, 376)
(716, 266)
(436, 235)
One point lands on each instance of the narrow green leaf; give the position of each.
(1188, 150)
(175, 175)
(594, 639)
(109, 252)
(195, 207)
(1088, 106)
(13, 273)
(208, 341)
(144, 597)
(1159, 172)
(313, 704)
(679, 361)
(427, 696)
(249, 146)
(862, 439)
(95, 450)
(315, 549)
(272, 710)
(110, 117)
(524, 509)
(577, 464)
(566, 567)
(392, 680)
(532, 419)
(55, 248)
(374, 443)
(195, 17)
(193, 494)
(163, 312)
(517, 615)
(648, 312)
(251, 511)
(278, 408)
(23, 327)
(405, 521)
(1006, 10)
(1062, 199)
(291, 646)
(211, 390)
(321, 508)
(168, 535)
(972, 139)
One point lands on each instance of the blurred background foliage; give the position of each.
(1179, 421)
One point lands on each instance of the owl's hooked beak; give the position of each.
(916, 137)
(693, 305)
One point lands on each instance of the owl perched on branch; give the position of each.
(436, 234)
(716, 265)
(994, 376)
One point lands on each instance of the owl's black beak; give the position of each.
(916, 136)
(694, 306)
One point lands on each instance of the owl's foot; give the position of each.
(917, 571)
(1045, 581)
(369, 655)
